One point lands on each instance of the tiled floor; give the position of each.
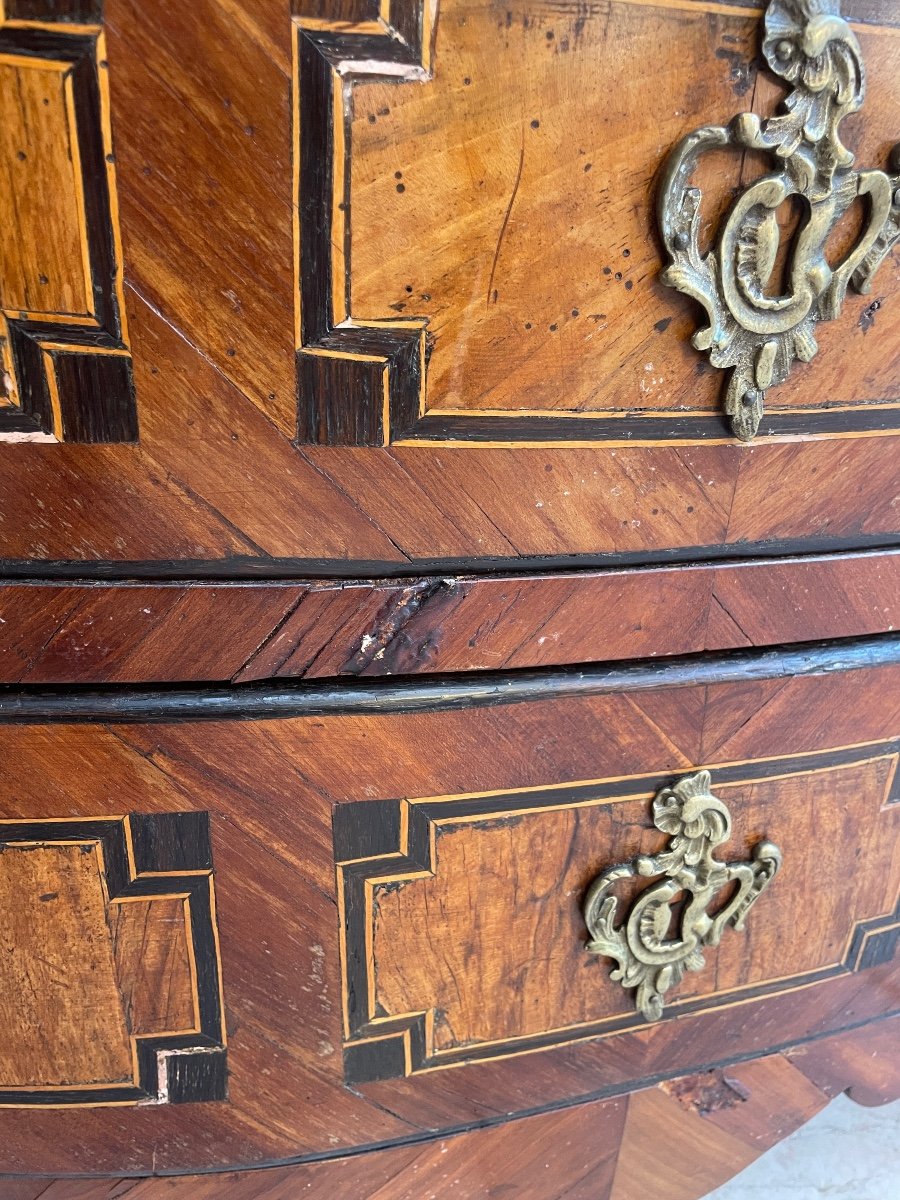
(845, 1153)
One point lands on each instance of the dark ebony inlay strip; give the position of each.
(176, 703)
(238, 568)
(422, 1138)
(641, 427)
(864, 12)
(79, 12)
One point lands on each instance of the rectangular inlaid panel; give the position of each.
(109, 978)
(464, 934)
(155, 964)
(67, 363)
(499, 169)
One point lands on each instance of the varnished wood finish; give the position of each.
(44, 146)
(715, 1123)
(506, 141)
(447, 272)
(110, 967)
(54, 896)
(270, 787)
(154, 964)
(67, 368)
(201, 105)
(334, 350)
(436, 973)
(195, 631)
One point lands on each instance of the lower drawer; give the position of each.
(259, 925)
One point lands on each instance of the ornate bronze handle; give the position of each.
(649, 959)
(756, 335)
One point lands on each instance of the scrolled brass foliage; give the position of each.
(649, 957)
(753, 333)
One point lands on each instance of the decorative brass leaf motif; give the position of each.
(755, 335)
(649, 959)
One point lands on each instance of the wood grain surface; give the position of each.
(41, 273)
(110, 964)
(454, 182)
(193, 631)
(63, 335)
(399, 394)
(482, 934)
(78, 977)
(716, 1123)
(271, 786)
(201, 104)
(153, 965)
(54, 901)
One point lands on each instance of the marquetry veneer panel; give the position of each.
(715, 1122)
(67, 366)
(504, 279)
(464, 938)
(109, 978)
(205, 163)
(137, 631)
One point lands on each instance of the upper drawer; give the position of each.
(378, 284)
(382, 912)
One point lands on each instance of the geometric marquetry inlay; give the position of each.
(436, 141)
(110, 991)
(66, 365)
(461, 916)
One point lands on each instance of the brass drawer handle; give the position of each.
(648, 959)
(756, 334)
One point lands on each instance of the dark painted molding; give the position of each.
(243, 568)
(124, 702)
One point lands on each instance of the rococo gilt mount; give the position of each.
(651, 957)
(754, 332)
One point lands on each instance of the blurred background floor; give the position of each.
(846, 1152)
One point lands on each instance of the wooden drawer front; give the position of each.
(431, 326)
(464, 932)
(399, 874)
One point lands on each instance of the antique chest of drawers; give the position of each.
(449, 592)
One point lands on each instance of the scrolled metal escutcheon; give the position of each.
(649, 959)
(754, 332)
